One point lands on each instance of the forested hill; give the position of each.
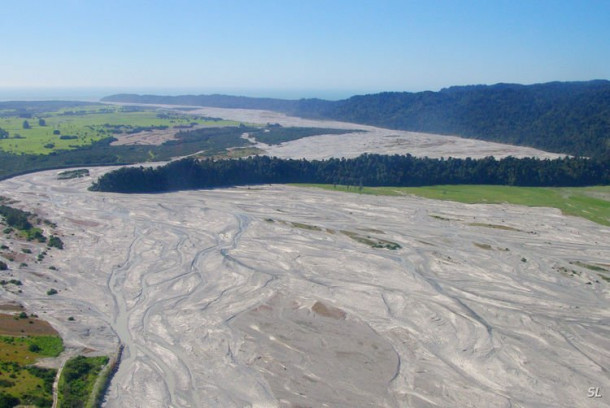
(564, 117)
(569, 117)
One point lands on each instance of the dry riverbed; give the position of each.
(275, 296)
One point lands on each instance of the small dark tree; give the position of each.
(56, 242)
(3, 134)
(42, 122)
(26, 124)
(34, 348)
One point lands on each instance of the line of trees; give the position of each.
(365, 170)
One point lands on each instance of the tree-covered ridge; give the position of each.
(564, 117)
(365, 170)
(571, 118)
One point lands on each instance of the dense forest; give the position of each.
(564, 117)
(365, 170)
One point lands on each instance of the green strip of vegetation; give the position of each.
(592, 203)
(70, 174)
(276, 134)
(77, 381)
(372, 241)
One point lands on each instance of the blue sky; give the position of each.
(267, 47)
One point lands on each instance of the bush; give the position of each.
(3, 266)
(8, 400)
(55, 242)
(34, 348)
(51, 292)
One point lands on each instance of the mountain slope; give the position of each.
(568, 117)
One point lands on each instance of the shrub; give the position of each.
(55, 242)
(34, 348)
(8, 400)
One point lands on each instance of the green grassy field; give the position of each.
(18, 379)
(87, 125)
(592, 203)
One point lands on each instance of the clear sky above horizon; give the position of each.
(353, 46)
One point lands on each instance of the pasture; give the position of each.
(70, 128)
(592, 203)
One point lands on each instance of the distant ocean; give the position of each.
(95, 94)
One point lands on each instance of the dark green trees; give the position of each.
(366, 170)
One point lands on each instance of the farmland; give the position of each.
(20, 381)
(592, 203)
(68, 128)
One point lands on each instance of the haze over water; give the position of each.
(95, 94)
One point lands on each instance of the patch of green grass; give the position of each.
(230, 153)
(482, 246)
(26, 349)
(306, 226)
(243, 152)
(592, 203)
(495, 226)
